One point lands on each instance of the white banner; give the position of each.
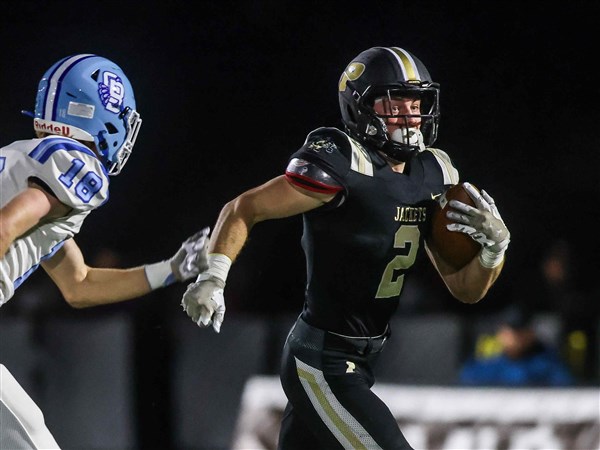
(451, 418)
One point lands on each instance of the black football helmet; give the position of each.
(388, 72)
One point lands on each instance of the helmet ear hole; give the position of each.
(111, 128)
(95, 74)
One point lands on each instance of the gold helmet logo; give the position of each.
(352, 72)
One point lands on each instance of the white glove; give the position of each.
(190, 260)
(203, 300)
(482, 223)
(204, 303)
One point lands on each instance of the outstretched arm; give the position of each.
(80, 284)
(83, 286)
(203, 300)
(275, 199)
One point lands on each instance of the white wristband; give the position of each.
(159, 274)
(489, 259)
(218, 266)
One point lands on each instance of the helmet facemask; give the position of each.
(390, 73)
(133, 122)
(412, 133)
(89, 98)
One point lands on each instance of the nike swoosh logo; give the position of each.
(434, 196)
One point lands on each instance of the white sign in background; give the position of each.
(451, 418)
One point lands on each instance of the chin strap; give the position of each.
(401, 145)
(399, 152)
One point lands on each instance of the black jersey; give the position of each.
(361, 246)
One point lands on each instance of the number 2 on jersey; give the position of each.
(390, 286)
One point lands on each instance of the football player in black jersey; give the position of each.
(367, 195)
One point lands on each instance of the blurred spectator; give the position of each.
(558, 286)
(522, 358)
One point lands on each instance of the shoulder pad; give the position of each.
(361, 159)
(331, 139)
(450, 173)
(307, 175)
(325, 139)
(72, 171)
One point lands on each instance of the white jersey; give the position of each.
(73, 173)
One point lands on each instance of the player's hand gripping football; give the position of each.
(203, 301)
(192, 257)
(482, 223)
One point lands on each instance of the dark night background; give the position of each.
(229, 91)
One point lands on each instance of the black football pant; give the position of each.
(328, 380)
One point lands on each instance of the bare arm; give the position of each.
(25, 211)
(484, 224)
(273, 200)
(83, 286)
(471, 283)
(80, 284)
(203, 301)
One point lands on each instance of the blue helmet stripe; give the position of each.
(54, 79)
(43, 113)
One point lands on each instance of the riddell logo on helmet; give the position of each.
(63, 130)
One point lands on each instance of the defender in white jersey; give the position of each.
(86, 124)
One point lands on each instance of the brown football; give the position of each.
(456, 248)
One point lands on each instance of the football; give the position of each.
(456, 248)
